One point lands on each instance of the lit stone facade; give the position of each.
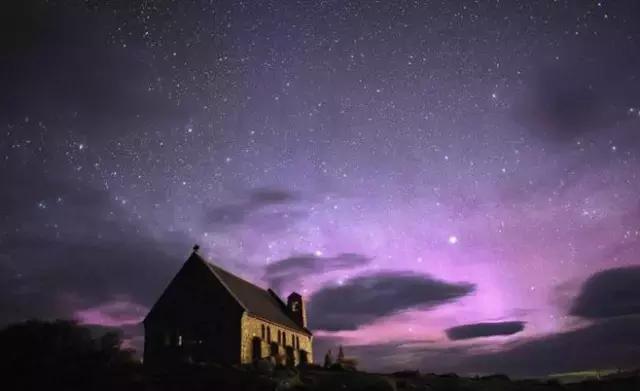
(207, 314)
(252, 331)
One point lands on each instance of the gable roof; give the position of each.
(256, 301)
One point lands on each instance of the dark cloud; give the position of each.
(267, 208)
(276, 220)
(567, 107)
(43, 278)
(132, 335)
(570, 98)
(609, 293)
(229, 214)
(288, 272)
(480, 330)
(364, 299)
(271, 196)
(66, 247)
(610, 343)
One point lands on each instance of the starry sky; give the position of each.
(451, 185)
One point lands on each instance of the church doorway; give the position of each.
(291, 360)
(256, 349)
(304, 358)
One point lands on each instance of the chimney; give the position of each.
(295, 305)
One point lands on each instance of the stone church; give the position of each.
(207, 314)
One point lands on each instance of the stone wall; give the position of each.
(252, 328)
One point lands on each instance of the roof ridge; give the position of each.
(276, 297)
(237, 276)
(255, 300)
(211, 268)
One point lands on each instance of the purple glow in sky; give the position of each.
(433, 164)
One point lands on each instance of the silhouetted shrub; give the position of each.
(407, 373)
(328, 359)
(349, 363)
(336, 367)
(497, 376)
(58, 352)
(553, 382)
(353, 381)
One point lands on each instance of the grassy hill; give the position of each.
(213, 377)
(61, 355)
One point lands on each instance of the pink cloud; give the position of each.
(115, 313)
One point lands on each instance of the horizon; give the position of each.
(452, 186)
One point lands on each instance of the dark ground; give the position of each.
(62, 355)
(213, 377)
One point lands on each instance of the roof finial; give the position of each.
(196, 247)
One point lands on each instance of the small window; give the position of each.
(279, 337)
(297, 342)
(262, 327)
(284, 339)
(268, 334)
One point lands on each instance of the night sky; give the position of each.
(452, 185)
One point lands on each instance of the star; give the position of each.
(327, 143)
